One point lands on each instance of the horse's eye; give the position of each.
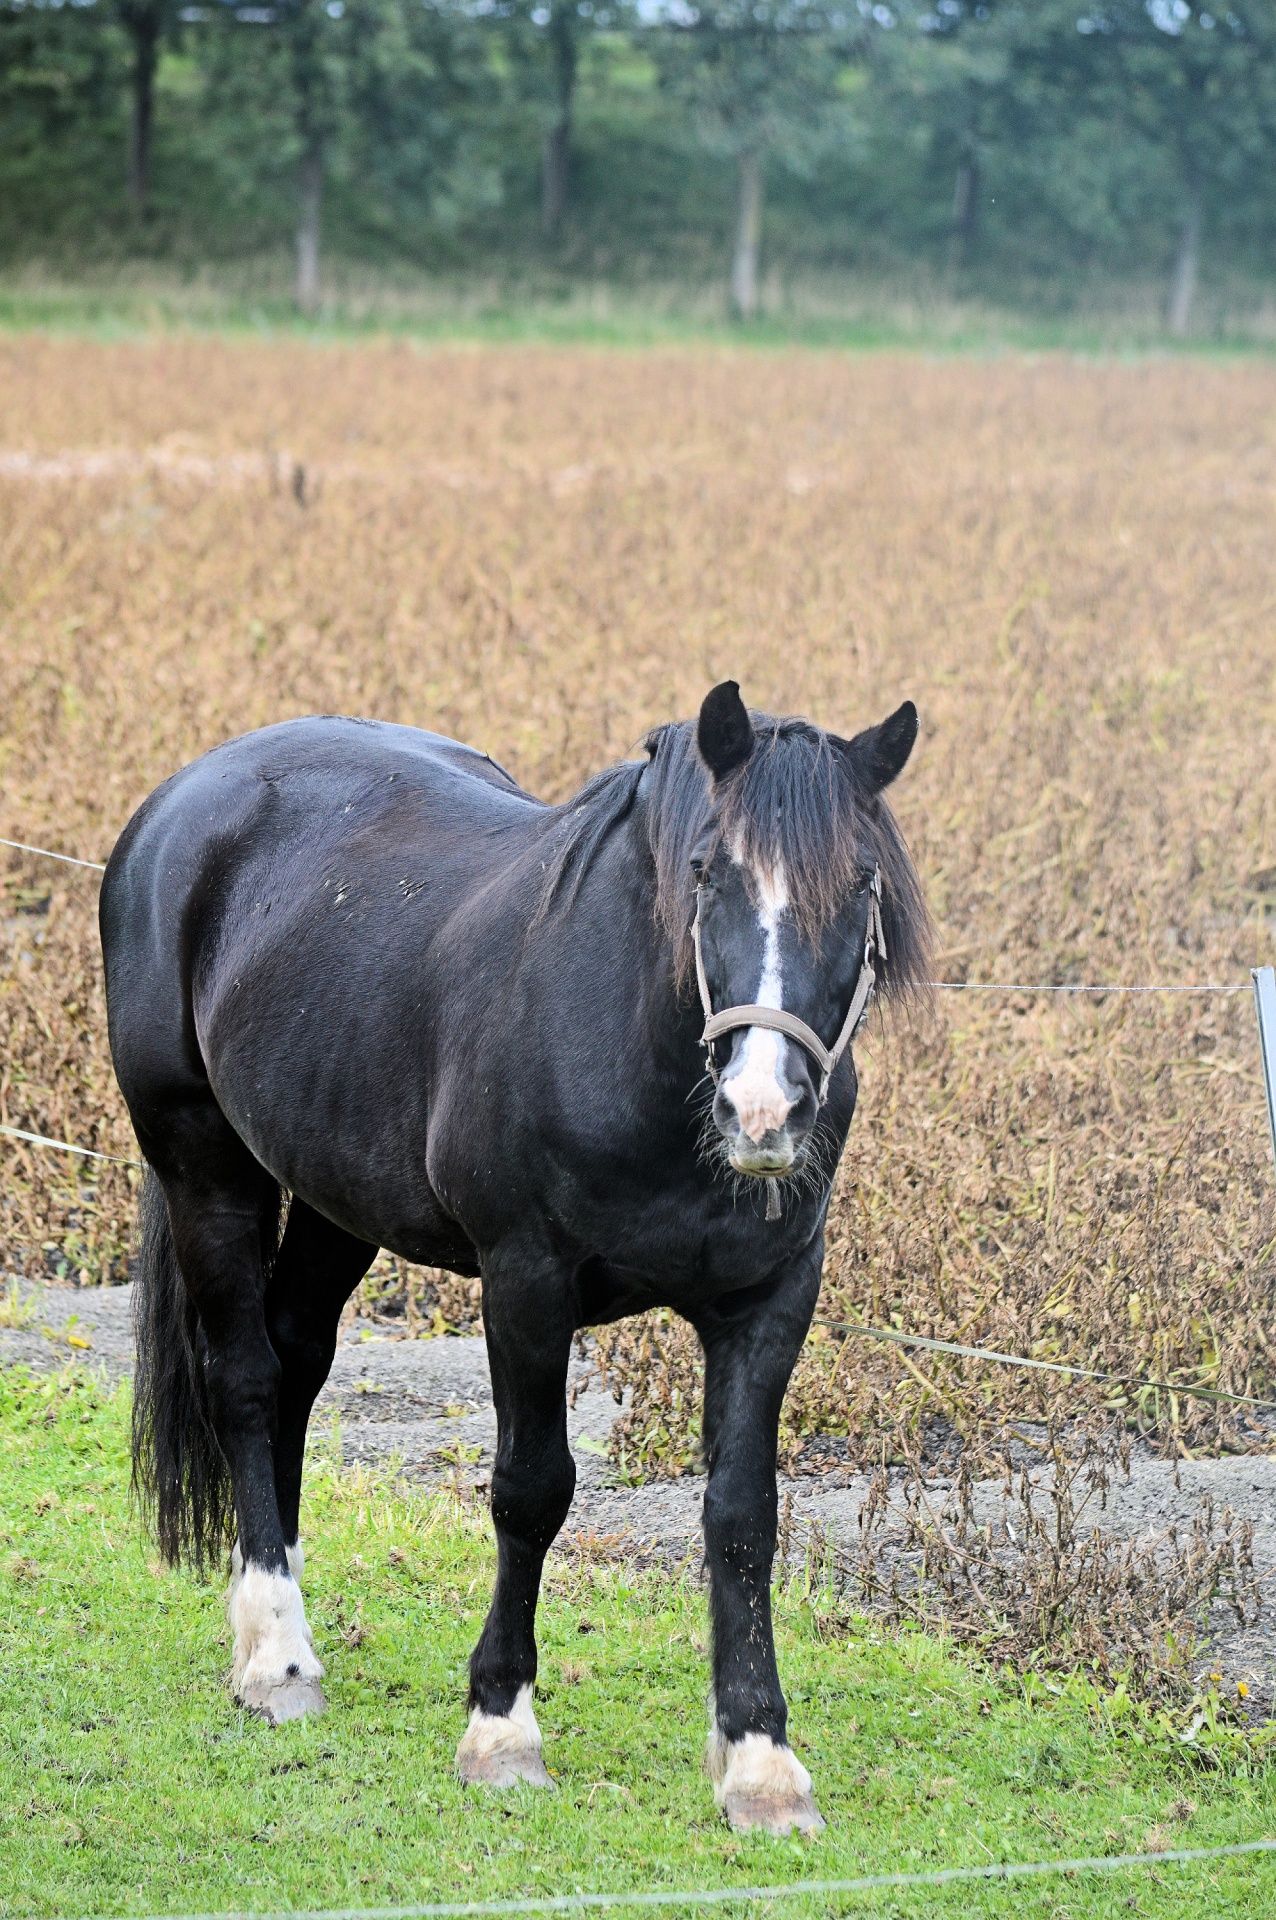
(697, 869)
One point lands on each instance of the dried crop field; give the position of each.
(1069, 566)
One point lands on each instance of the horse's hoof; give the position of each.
(503, 1749)
(759, 1783)
(502, 1769)
(289, 1700)
(773, 1813)
(275, 1673)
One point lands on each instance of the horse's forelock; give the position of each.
(793, 806)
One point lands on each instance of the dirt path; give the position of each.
(426, 1407)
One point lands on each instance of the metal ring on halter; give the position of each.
(780, 1021)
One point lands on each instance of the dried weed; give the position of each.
(1033, 1579)
(545, 552)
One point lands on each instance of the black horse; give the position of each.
(356, 965)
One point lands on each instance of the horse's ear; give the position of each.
(724, 733)
(879, 754)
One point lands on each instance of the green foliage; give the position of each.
(129, 1783)
(1019, 148)
(761, 77)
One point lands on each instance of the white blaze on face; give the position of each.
(754, 1088)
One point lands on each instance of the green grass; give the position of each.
(545, 307)
(129, 1782)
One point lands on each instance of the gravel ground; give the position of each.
(426, 1406)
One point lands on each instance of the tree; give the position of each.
(561, 32)
(1197, 82)
(60, 72)
(545, 44)
(420, 129)
(285, 65)
(53, 61)
(145, 22)
(1200, 82)
(761, 78)
(948, 71)
(304, 24)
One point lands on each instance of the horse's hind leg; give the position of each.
(224, 1210)
(317, 1269)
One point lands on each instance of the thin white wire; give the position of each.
(998, 986)
(944, 986)
(64, 1146)
(1044, 1366)
(721, 1896)
(47, 853)
(574, 1902)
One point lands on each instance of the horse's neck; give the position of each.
(668, 1010)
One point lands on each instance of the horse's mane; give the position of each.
(795, 803)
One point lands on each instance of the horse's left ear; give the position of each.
(879, 754)
(724, 732)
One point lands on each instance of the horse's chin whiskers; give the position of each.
(808, 1178)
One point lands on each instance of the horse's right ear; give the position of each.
(878, 754)
(724, 732)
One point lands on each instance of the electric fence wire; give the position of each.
(724, 1896)
(813, 1889)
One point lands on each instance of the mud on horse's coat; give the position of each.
(356, 965)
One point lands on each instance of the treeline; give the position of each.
(1040, 140)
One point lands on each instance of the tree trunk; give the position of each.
(556, 151)
(748, 228)
(1178, 312)
(309, 208)
(965, 210)
(554, 177)
(143, 27)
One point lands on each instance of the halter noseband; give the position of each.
(716, 1024)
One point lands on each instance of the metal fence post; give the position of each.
(1265, 1001)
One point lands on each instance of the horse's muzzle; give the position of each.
(770, 1158)
(753, 1147)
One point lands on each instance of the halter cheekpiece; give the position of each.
(716, 1024)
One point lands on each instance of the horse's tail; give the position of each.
(180, 1476)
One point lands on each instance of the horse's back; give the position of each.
(268, 822)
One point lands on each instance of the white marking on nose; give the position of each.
(754, 1088)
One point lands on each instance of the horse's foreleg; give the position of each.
(750, 1352)
(529, 1334)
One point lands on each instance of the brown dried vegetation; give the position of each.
(1036, 1582)
(1068, 566)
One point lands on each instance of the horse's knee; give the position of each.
(530, 1499)
(740, 1521)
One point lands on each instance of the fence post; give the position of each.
(1265, 1001)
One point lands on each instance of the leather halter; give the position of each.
(716, 1024)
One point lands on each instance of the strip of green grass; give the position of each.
(129, 1782)
(128, 303)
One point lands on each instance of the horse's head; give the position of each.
(791, 917)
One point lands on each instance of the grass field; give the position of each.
(129, 1783)
(1067, 565)
(918, 308)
